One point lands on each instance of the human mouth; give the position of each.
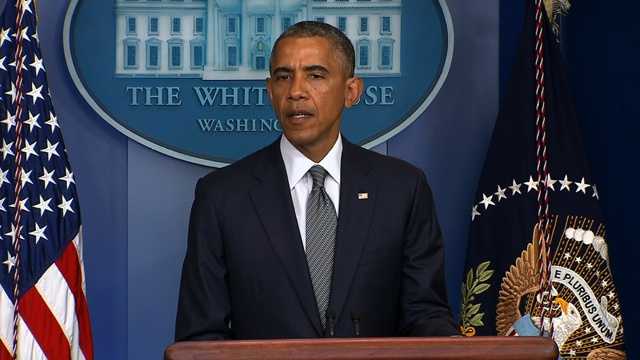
(299, 114)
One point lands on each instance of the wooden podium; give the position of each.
(450, 348)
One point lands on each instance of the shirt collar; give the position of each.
(297, 165)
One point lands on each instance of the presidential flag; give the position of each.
(43, 307)
(538, 261)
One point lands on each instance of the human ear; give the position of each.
(353, 91)
(269, 92)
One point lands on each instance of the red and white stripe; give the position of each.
(54, 316)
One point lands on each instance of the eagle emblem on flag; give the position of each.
(583, 307)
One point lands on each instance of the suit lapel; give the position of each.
(272, 199)
(356, 210)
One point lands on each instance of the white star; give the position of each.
(587, 330)
(3, 177)
(565, 184)
(4, 35)
(6, 149)
(32, 121)
(486, 201)
(12, 92)
(10, 262)
(10, 121)
(616, 306)
(68, 178)
(12, 233)
(22, 66)
(604, 283)
(572, 352)
(22, 205)
(474, 212)
(65, 205)
(2, 61)
(50, 150)
(37, 64)
(25, 6)
(579, 343)
(531, 184)
(582, 186)
(28, 148)
(53, 121)
(595, 192)
(589, 265)
(35, 93)
(501, 193)
(578, 260)
(594, 339)
(47, 178)
(25, 177)
(611, 294)
(2, 205)
(43, 205)
(549, 182)
(24, 34)
(515, 188)
(597, 273)
(39, 233)
(567, 256)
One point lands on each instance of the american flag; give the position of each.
(40, 232)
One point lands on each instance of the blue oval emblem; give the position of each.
(186, 77)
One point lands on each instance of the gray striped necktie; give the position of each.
(321, 234)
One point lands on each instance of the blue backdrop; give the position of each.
(135, 202)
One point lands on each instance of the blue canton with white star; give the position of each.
(47, 201)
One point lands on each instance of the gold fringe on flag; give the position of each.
(555, 9)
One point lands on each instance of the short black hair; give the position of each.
(336, 38)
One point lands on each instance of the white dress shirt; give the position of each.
(300, 183)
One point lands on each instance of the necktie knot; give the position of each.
(318, 174)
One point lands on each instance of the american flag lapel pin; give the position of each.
(363, 196)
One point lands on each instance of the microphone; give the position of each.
(356, 324)
(331, 323)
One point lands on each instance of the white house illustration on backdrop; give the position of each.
(232, 39)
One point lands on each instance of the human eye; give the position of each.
(316, 76)
(282, 76)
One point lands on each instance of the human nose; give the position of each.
(297, 90)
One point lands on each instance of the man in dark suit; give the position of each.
(313, 236)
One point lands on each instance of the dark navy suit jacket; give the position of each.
(245, 274)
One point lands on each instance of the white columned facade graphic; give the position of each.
(232, 39)
(212, 25)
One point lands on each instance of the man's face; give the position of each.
(309, 89)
